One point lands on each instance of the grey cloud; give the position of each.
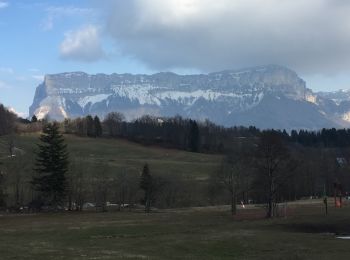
(310, 36)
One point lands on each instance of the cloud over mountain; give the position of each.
(310, 36)
(82, 45)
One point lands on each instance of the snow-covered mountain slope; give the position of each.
(268, 97)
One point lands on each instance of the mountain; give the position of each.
(267, 97)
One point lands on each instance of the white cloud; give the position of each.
(7, 70)
(310, 36)
(58, 12)
(38, 77)
(3, 4)
(4, 85)
(33, 70)
(21, 78)
(20, 114)
(82, 45)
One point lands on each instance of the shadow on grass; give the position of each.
(332, 228)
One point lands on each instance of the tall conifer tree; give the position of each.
(194, 136)
(98, 126)
(51, 166)
(90, 125)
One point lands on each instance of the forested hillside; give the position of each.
(190, 163)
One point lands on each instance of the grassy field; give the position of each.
(194, 233)
(127, 156)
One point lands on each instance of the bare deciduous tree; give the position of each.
(126, 187)
(77, 186)
(113, 121)
(234, 173)
(275, 167)
(101, 186)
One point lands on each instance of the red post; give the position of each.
(335, 194)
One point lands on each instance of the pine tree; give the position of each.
(146, 184)
(90, 127)
(194, 136)
(51, 167)
(98, 126)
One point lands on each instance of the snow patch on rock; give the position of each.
(92, 99)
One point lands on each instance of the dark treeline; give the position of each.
(325, 137)
(7, 121)
(187, 134)
(175, 132)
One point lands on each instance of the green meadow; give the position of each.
(193, 233)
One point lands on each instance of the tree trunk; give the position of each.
(70, 203)
(147, 202)
(233, 203)
(270, 196)
(148, 205)
(270, 209)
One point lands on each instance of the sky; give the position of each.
(39, 37)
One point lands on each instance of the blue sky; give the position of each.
(185, 36)
(31, 35)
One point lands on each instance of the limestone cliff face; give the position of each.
(254, 96)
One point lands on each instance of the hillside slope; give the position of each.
(120, 155)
